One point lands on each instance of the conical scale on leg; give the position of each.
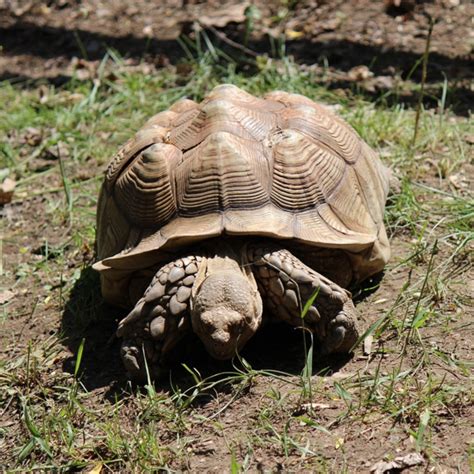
(164, 303)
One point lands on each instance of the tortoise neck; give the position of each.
(224, 254)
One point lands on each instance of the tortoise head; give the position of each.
(226, 309)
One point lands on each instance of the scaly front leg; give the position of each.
(159, 319)
(286, 284)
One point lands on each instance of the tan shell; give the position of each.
(282, 167)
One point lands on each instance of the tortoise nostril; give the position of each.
(220, 337)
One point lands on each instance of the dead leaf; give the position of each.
(96, 469)
(359, 73)
(340, 375)
(315, 406)
(308, 407)
(6, 423)
(400, 462)
(204, 447)
(368, 344)
(469, 138)
(292, 34)
(60, 150)
(458, 181)
(6, 296)
(6, 191)
(33, 136)
(227, 13)
(383, 82)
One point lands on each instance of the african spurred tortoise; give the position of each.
(207, 214)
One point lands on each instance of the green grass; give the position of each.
(416, 382)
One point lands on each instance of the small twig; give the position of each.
(80, 45)
(423, 76)
(42, 192)
(418, 303)
(226, 39)
(65, 181)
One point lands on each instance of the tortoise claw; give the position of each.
(137, 366)
(341, 334)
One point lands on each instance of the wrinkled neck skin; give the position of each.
(226, 307)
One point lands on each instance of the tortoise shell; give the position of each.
(281, 167)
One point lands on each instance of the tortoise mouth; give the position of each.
(223, 331)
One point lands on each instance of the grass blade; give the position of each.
(80, 352)
(309, 303)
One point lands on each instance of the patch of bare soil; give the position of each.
(373, 46)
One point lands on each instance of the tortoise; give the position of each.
(207, 214)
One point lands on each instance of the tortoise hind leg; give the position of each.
(159, 320)
(286, 284)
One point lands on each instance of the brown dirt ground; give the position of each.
(40, 40)
(38, 310)
(52, 39)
